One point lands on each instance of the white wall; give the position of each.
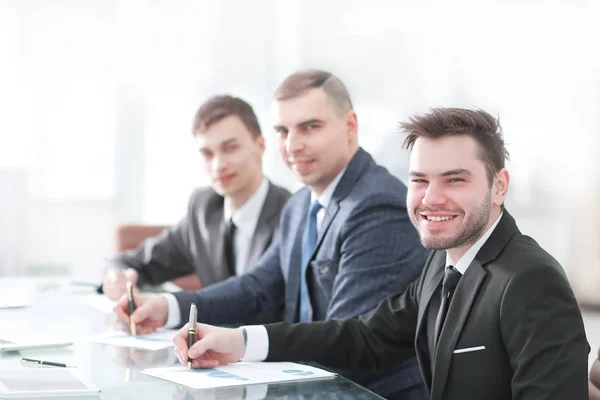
(104, 94)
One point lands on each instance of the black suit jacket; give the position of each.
(195, 243)
(514, 299)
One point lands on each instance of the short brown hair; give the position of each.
(478, 124)
(302, 81)
(219, 107)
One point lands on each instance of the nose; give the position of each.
(293, 142)
(219, 162)
(434, 196)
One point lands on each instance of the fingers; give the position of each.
(181, 343)
(202, 346)
(121, 309)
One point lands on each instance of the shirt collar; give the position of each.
(464, 262)
(327, 194)
(246, 217)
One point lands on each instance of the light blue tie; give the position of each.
(309, 240)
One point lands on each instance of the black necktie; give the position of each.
(229, 246)
(451, 278)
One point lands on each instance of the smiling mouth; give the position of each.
(438, 218)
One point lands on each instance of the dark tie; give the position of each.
(309, 240)
(451, 278)
(229, 246)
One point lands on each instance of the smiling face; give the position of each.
(316, 140)
(450, 199)
(232, 158)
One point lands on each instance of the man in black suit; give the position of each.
(492, 315)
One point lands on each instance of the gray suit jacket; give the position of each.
(367, 249)
(195, 244)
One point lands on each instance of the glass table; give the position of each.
(55, 309)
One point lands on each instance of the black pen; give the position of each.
(40, 362)
(131, 306)
(192, 330)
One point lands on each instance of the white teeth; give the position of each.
(438, 219)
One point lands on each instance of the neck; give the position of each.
(319, 189)
(237, 200)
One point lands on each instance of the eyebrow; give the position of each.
(302, 124)
(458, 171)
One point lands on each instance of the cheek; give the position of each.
(413, 199)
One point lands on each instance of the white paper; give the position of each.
(241, 373)
(98, 301)
(160, 339)
(12, 302)
(15, 336)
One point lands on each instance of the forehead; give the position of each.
(228, 128)
(433, 156)
(310, 105)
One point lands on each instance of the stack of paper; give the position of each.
(241, 373)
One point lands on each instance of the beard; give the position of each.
(470, 230)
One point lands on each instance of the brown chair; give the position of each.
(130, 236)
(594, 382)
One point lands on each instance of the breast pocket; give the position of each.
(323, 273)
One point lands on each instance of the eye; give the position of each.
(455, 180)
(311, 127)
(418, 181)
(281, 131)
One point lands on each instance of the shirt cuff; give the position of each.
(257, 346)
(174, 316)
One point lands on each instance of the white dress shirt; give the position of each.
(245, 219)
(257, 345)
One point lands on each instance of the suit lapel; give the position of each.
(430, 284)
(293, 280)
(462, 301)
(265, 226)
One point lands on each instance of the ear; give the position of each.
(260, 143)
(351, 124)
(500, 187)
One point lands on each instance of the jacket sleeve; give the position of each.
(247, 298)
(544, 336)
(376, 340)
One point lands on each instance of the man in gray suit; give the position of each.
(227, 226)
(346, 241)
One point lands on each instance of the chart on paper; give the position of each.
(242, 373)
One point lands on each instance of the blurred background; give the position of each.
(97, 99)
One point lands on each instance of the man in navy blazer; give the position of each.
(335, 259)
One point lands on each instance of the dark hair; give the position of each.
(302, 81)
(219, 107)
(478, 124)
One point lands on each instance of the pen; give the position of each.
(192, 330)
(131, 306)
(40, 362)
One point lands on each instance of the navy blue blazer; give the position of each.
(367, 249)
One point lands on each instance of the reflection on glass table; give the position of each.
(54, 310)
